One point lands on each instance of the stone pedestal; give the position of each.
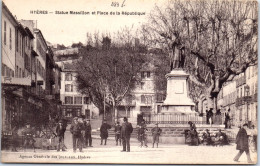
(177, 100)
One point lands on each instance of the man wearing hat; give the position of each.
(242, 143)
(104, 132)
(60, 130)
(156, 132)
(28, 134)
(76, 131)
(87, 128)
(126, 132)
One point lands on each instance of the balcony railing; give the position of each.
(173, 119)
(243, 100)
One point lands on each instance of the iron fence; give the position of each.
(173, 119)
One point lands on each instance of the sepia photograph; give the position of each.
(129, 82)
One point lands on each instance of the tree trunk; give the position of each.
(215, 104)
(113, 114)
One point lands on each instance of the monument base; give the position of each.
(177, 100)
(177, 109)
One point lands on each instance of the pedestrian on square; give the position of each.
(88, 137)
(227, 119)
(28, 134)
(242, 143)
(60, 130)
(252, 138)
(76, 131)
(142, 134)
(193, 134)
(14, 142)
(210, 116)
(126, 132)
(156, 132)
(118, 133)
(207, 115)
(218, 116)
(104, 132)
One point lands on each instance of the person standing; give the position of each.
(126, 132)
(227, 119)
(210, 116)
(242, 143)
(207, 116)
(28, 134)
(252, 138)
(15, 137)
(156, 132)
(118, 133)
(60, 130)
(142, 134)
(76, 131)
(104, 132)
(88, 137)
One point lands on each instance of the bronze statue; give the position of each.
(177, 56)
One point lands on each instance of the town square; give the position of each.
(120, 82)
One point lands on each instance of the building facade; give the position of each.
(240, 96)
(73, 102)
(143, 100)
(23, 74)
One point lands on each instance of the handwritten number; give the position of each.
(116, 4)
(123, 4)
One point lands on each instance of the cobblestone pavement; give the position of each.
(165, 154)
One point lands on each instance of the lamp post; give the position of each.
(104, 116)
(247, 99)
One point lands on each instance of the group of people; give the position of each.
(218, 117)
(142, 134)
(81, 133)
(122, 133)
(192, 137)
(220, 138)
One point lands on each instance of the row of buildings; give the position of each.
(240, 96)
(30, 78)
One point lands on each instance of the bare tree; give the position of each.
(219, 38)
(111, 72)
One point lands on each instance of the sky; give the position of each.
(67, 28)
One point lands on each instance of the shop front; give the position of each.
(71, 111)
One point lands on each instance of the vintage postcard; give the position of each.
(129, 81)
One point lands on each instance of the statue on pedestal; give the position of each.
(177, 56)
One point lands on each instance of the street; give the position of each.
(165, 154)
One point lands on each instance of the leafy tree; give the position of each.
(61, 47)
(77, 45)
(219, 39)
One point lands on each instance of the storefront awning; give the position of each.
(16, 81)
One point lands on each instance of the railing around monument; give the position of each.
(173, 119)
